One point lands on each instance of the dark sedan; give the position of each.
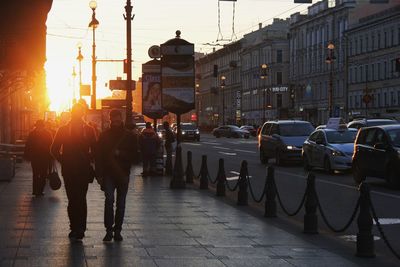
(230, 131)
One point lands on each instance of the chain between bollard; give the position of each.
(257, 200)
(232, 189)
(346, 226)
(283, 207)
(211, 180)
(380, 229)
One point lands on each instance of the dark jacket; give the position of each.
(149, 142)
(169, 138)
(117, 149)
(37, 147)
(74, 147)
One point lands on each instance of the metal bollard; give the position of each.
(221, 179)
(365, 239)
(189, 169)
(311, 205)
(243, 194)
(204, 173)
(177, 181)
(270, 202)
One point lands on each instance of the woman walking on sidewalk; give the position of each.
(73, 147)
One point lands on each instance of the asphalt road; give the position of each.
(337, 192)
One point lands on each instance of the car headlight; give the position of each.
(159, 134)
(197, 132)
(183, 132)
(290, 147)
(336, 153)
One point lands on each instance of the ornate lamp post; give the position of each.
(222, 84)
(263, 76)
(80, 58)
(73, 85)
(329, 60)
(93, 24)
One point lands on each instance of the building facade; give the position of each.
(374, 84)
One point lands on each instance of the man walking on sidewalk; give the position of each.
(149, 143)
(37, 151)
(116, 151)
(73, 146)
(169, 139)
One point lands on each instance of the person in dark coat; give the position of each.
(74, 147)
(37, 151)
(116, 151)
(169, 140)
(149, 143)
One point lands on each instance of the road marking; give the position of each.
(353, 238)
(341, 185)
(232, 178)
(228, 154)
(220, 147)
(211, 143)
(193, 144)
(388, 221)
(235, 172)
(246, 151)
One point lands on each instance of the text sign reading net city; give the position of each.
(177, 76)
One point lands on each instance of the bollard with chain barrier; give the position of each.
(270, 191)
(242, 182)
(311, 205)
(221, 178)
(189, 169)
(203, 173)
(177, 181)
(365, 239)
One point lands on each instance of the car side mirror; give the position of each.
(381, 146)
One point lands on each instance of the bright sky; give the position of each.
(155, 22)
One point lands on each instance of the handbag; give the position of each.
(54, 178)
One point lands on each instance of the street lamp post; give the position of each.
(80, 58)
(197, 92)
(329, 60)
(223, 78)
(263, 76)
(73, 85)
(94, 23)
(128, 17)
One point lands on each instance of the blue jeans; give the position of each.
(111, 221)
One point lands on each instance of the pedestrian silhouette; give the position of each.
(115, 153)
(169, 140)
(149, 143)
(37, 151)
(74, 146)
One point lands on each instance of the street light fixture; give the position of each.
(94, 23)
(80, 58)
(329, 60)
(222, 84)
(263, 76)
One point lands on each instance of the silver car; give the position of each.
(329, 149)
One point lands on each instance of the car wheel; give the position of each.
(278, 159)
(393, 178)
(217, 135)
(306, 165)
(236, 135)
(198, 139)
(358, 175)
(263, 158)
(327, 165)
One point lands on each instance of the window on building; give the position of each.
(351, 75)
(373, 42)
(367, 48)
(379, 41)
(392, 100)
(398, 97)
(366, 72)
(356, 47)
(355, 75)
(385, 99)
(279, 77)
(279, 57)
(385, 40)
(351, 48)
(379, 71)
(378, 104)
(373, 72)
(351, 102)
(361, 45)
(385, 73)
(392, 37)
(362, 77)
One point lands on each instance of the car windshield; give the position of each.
(188, 127)
(296, 129)
(234, 127)
(340, 137)
(394, 137)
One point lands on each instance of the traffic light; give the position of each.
(215, 71)
(397, 64)
(125, 66)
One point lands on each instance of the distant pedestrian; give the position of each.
(115, 153)
(169, 140)
(149, 143)
(73, 147)
(37, 151)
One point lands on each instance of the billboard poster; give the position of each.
(178, 92)
(151, 96)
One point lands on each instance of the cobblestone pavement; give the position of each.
(162, 227)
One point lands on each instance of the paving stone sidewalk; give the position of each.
(162, 227)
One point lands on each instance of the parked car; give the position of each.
(189, 132)
(329, 149)
(357, 124)
(230, 131)
(377, 154)
(283, 140)
(250, 129)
